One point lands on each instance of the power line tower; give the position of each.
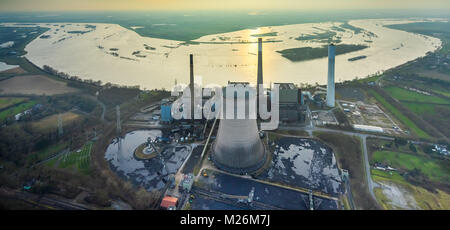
(60, 126)
(119, 127)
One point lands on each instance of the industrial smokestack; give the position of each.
(191, 84)
(330, 85)
(260, 73)
(260, 68)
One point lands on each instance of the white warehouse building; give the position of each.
(368, 128)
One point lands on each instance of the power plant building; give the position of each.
(289, 93)
(166, 115)
(290, 102)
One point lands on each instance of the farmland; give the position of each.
(42, 85)
(434, 109)
(77, 160)
(50, 122)
(8, 101)
(434, 169)
(410, 96)
(399, 115)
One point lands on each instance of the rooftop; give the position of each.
(169, 201)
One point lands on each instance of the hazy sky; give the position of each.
(59, 5)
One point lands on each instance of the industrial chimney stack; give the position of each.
(191, 84)
(330, 85)
(260, 73)
(260, 68)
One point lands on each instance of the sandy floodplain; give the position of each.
(114, 54)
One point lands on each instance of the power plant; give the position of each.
(235, 145)
(238, 147)
(330, 85)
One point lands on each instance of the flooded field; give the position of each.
(4, 66)
(111, 53)
(150, 174)
(304, 163)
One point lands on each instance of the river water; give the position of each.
(111, 53)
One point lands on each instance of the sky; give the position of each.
(117, 5)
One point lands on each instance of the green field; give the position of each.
(405, 120)
(15, 110)
(393, 176)
(47, 152)
(76, 160)
(434, 169)
(8, 101)
(447, 94)
(420, 108)
(410, 96)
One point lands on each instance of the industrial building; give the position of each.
(187, 182)
(290, 103)
(368, 128)
(169, 203)
(166, 115)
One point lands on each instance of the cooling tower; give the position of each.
(330, 85)
(238, 147)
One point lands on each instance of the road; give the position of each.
(370, 182)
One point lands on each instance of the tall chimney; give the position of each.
(260, 70)
(330, 85)
(191, 85)
(260, 73)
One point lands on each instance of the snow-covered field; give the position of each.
(111, 53)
